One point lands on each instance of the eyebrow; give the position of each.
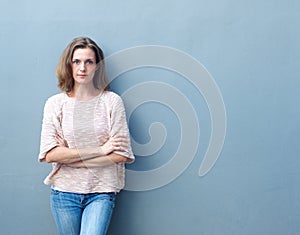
(91, 58)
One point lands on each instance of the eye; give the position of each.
(90, 62)
(76, 62)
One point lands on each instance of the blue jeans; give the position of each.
(82, 214)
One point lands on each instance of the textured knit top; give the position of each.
(84, 124)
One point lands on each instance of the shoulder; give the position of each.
(112, 97)
(113, 101)
(56, 98)
(55, 101)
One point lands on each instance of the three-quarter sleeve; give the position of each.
(50, 128)
(119, 125)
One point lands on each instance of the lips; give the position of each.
(82, 75)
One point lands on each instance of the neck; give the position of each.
(84, 92)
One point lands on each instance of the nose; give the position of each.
(82, 67)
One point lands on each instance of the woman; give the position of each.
(86, 138)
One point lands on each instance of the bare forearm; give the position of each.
(69, 155)
(92, 162)
(100, 161)
(65, 155)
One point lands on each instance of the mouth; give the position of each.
(82, 75)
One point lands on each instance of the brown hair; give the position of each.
(64, 66)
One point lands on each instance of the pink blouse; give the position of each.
(84, 124)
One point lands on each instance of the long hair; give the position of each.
(64, 66)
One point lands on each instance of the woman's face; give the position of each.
(83, 66)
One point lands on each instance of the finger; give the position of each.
(124, 144)
(119, 136)
(121, 145)
(57, 139)
(121, 140)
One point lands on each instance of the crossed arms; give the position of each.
(89, 157)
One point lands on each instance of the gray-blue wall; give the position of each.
(250, 48)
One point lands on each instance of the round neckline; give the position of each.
(87, 100)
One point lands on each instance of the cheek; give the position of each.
(73, 68)
(92, 71)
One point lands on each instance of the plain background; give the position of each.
(252, 50)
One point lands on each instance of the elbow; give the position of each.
(123, 159)
(58, 156)
(129, 160)
(49, 158)
(126, 160)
